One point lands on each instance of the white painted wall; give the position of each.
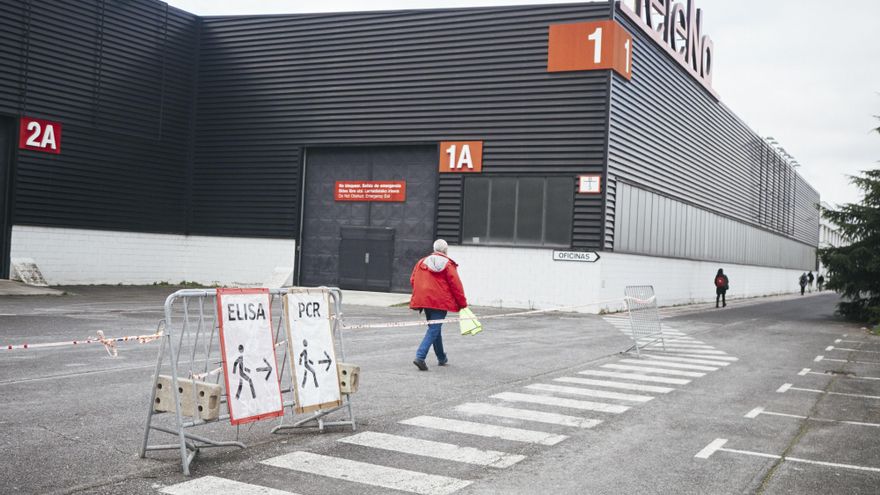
(529, 278)
(74, 256)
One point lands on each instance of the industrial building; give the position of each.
(564, 151)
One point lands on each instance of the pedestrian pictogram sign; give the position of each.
(253, 388)
(312, 352)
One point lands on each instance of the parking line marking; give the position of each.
(788, 386)
(587, 392)
(804, 372)
(823, 358)
(368, 474)
(527, 415)
(635, 376)
(220, 486)
(485, 430)
(845, 349)
(436, 450)
(717, 445)
(686, 360)
(760, 410)
(619, 385)
(850, 341)
(561, 402)
(682, 345)
(671, 365)
(703, 356)
(707, 352)
(784, 388)
(648, 369)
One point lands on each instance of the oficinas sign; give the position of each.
(678, 28)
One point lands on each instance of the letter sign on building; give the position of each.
(590, 184)
(590, 46)
(461, 156)
(40, 135)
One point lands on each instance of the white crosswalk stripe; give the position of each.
(612, 384)
(436, 450)
(699, 356)
(655, 357)
(635, 376)
(219, 486)
(485, 430)
(587, 392)
(682, 345)
(648, 369)
(561, 402)
(707, 352)
(527, 415)
(670, 365)
(368, 474)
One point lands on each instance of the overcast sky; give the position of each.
(806, 72)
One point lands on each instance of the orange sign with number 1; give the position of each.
(590, 46)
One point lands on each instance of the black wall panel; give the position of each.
(667, 133)
(269, 85)
(120, 78)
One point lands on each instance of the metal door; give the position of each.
(6, 157)
(365, 258)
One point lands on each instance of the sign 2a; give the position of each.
(312, 350)
(39, 135)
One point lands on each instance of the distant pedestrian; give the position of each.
(436, 290)
(810, 279)
(803, 282)
(722, 284)
(820, 282)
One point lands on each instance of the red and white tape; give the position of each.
(419, 323)
(108, 342)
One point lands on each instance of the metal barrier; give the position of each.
(190, 365)
(641, 303)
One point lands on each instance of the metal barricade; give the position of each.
(190, 355)
(641, 303)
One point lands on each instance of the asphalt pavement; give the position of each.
(532, 404)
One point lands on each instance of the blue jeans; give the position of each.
(433, 336)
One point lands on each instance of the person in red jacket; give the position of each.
(436, 290)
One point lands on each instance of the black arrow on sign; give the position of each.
(328, 361)
(267, 369)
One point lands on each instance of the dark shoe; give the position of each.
(420, 364)
(443, 363)
(725, 305)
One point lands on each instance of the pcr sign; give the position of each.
(253, 387)
(312, 352)
(40, 135)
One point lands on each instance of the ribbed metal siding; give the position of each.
(119, 76)
(668, 134)
(271, 84)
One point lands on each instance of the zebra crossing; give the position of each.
(515, 423)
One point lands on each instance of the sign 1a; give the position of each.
(312, 351)
(253, 387)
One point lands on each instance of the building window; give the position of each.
(522, 211)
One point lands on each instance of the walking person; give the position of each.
(803, 282)
(722, 284)
(436, 290)
(820, 282)
(810, 279)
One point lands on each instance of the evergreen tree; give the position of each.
(854, 270)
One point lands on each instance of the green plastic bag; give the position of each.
(469, 327)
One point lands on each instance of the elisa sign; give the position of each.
(381, 191)
(590, 46)
(461, 156)
(678, 28)
(40, 135)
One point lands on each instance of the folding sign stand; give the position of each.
(312, 331)
(192, 339)
(643, 317)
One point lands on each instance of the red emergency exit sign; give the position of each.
(40, 135)
(360, 190)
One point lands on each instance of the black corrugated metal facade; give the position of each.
(668, 134)
(120, 78)
(270, 85)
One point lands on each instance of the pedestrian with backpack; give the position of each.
(803, 282)
(722, 284)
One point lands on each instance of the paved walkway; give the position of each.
(14, 288)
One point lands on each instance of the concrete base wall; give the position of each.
(74, 256)
(530, 278)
